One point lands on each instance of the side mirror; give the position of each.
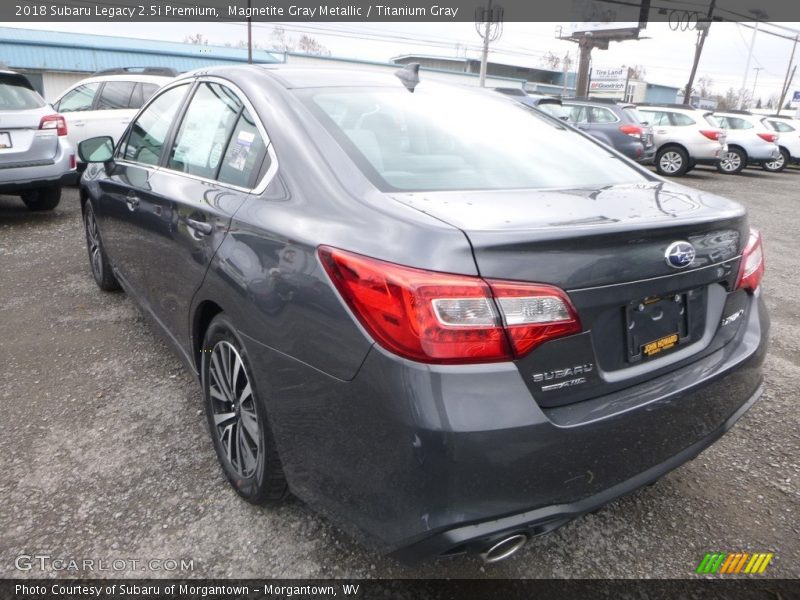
(97, 149)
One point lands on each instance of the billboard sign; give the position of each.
(615, 74)
(795, 102)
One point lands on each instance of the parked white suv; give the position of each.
(105, 103)
(684, 137)
(749, 141)
(788, 142)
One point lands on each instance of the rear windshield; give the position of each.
(634, 115)
(14, 96)
(711, 120)
(443, 138)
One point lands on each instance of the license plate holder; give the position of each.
(656, 326)
(5, 140)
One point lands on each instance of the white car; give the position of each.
(749, 141)
(788, 143)
(684, 137)
(105, 103)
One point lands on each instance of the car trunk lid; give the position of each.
(608, 249)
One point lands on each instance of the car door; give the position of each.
(111, 113)
(216, 152)
(126, 211)
(75, 105)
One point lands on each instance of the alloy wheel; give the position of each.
(731, 161)
(671, 162)
(93, 243)
(234, 410)
(775, 165)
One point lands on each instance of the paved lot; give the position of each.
(105, 453)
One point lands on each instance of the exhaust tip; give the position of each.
(505, 548)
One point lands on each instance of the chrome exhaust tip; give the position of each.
(505, 548)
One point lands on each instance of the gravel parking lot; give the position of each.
(105, 453)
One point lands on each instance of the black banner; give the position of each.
(623, 12)
(754, 588)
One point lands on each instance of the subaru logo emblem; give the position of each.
(679, 255)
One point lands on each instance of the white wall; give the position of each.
(55, 83)
(454, 77)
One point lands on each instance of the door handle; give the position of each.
(132, 201)
(199, 227)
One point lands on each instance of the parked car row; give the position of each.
(677, 137)
(38, 141)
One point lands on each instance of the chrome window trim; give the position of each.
(260, 185)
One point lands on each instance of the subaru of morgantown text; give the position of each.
(406, 308)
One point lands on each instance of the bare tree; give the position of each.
(196, 38)
(550, 61)
(704, 85)
(637, 72)
(567, 61)
(310, 45)
(281, 40)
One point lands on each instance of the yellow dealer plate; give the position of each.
(659, 345)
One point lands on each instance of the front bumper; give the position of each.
(419, 460)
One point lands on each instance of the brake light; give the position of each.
(632, 130)
(56, 122)
(437, 317)
(712, 134)
(768, 137)
(751, 270)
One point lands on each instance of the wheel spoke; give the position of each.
(222, 418)
(250, 424)
(219, 374)
(247, 460)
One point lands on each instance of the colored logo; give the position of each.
(732, 563)
(679, 254)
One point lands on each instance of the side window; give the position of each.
(598, 114)
(681, 120)
(148, 89)
(736, 123)
(80, 98)
(245, 154)
(141, 94)
(205, 130)
(782, 127)
(149, 132)
(577, 114)
(115, 95)
(723, 122)
(656, 119)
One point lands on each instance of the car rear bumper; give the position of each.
(57, 171)
(419, 460)
(763, 152)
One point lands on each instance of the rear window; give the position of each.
(441, 138)
(634, 115)
(711, 120)
(115, 95)
(15, 96)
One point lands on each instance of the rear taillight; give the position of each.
(56, 122)
(711, 134)
(769, 137)
(751, 270)
(632, 130)
(437, 317)
(72, 163)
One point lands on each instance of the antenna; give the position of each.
(409, 75)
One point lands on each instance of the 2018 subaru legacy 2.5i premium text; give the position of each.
(408, 309)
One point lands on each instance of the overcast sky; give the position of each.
(666, 55)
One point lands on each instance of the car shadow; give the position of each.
(13, 211)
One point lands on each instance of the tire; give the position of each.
(672, 161)
(46, 198)
(237, 418)
(98, 261)
(732, 162)
(777, 165)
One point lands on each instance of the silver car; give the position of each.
(788, 142)
(36, 158)
(684, 137)
(749, 141)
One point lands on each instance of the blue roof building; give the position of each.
(54, 60)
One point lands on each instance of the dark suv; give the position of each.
(618, 124)
(446, 333)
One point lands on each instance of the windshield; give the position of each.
(443, 138)
(15, 96)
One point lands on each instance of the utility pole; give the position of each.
(755, 82)
(489, 25)
(249, 34)
(698, 50)
(747, 67)
(786, 80)
(585, 46)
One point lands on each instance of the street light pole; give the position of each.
(489, 25)
(755, 82)
(747, 67)
(249, 34)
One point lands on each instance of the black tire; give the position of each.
(98, 261)
(732, 162)
(779, 164)
(251, 464)
(672, 161)
(46, 198)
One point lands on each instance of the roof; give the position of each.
(86, 53)
(312, 77)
